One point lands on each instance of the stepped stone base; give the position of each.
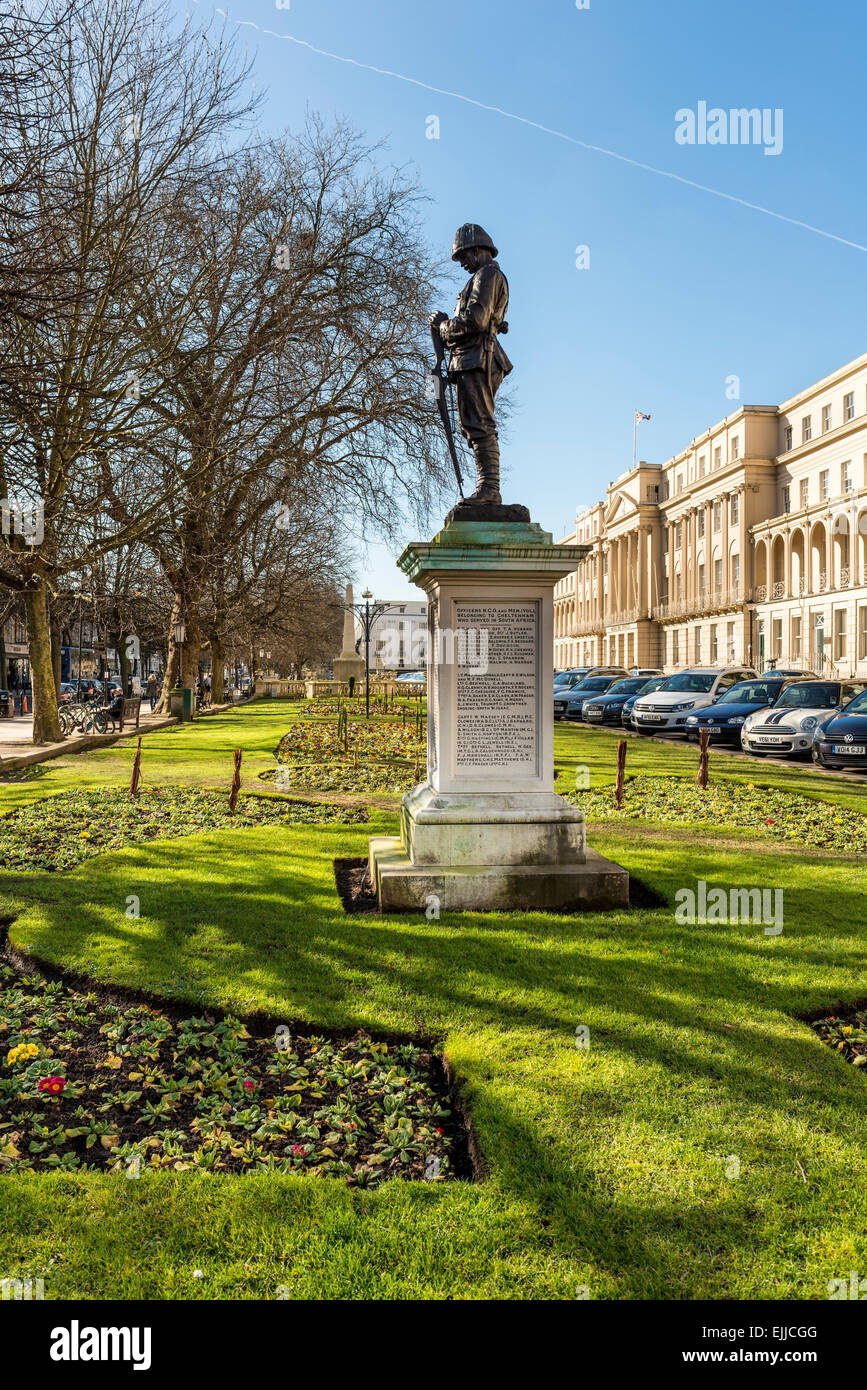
(346, 666)
(597, 884)
(532, 828)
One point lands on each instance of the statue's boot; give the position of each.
(487, 455)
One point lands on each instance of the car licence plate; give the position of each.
(859, 748)
(768, 738)
(651, 718)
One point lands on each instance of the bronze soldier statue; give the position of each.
(477, 362)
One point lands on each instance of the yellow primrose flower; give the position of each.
(847, 1031)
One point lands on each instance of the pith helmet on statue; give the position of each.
(469, 236)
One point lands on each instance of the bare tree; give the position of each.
(270, 575)
(299, 364)
(130, 112)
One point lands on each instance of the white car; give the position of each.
(788, 726)
(666, 711)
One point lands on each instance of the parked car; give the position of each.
(647, 671)
(657, 683)
(666, 711)
(568, 704)
(841, 740)
(68, 691)
(105, 690)
(572, 677)
(790, 671)
(726, 718)
(607, 708)
(788, 727)
(569, 679)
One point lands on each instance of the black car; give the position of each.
(841, 741)
(568, 704)
(607, 708)
(657, 683)
(725, 719)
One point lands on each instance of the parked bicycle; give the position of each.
(86, 716)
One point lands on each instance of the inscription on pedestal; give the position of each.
(432, 689)
(497, 688)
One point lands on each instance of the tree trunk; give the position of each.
(218, 667)
(56, 638)
(123, 661)
(192, 648)
(186, 604)
(46, 724)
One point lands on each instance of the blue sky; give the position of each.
(684, 288)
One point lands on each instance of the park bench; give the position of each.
(131, 706)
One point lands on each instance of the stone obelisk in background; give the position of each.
(348, 663)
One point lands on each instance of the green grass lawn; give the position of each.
(605, 1166)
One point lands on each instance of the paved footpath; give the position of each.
(17, 749)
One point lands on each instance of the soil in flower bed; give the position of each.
(354, 887)
(61, 831)
(847, 1035)
(86, 1084)
(779, 815)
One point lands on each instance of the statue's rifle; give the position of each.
(440, 379)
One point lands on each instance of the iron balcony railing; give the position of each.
(707, 601)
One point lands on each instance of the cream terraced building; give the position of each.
(747, 547)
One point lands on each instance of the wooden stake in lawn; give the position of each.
(236, 781)
(621, 771)
(136, 770)
(703, 741)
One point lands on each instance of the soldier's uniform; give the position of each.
(477, 362)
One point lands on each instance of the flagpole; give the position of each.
(634, 437)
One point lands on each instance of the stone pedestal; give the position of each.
(486, 830)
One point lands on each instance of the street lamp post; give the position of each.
(367, 596)
(81, 601)
(367, 616)
(80, 641)
(180, 633)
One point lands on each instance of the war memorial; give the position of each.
(486, 830)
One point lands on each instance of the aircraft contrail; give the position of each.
(546, 130)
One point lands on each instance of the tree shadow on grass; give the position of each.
(690, 1026)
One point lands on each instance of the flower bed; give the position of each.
(383, 754)
(60, 831)
(329, 706)
(780, 815)
(90, 1085)
(848, 1036)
